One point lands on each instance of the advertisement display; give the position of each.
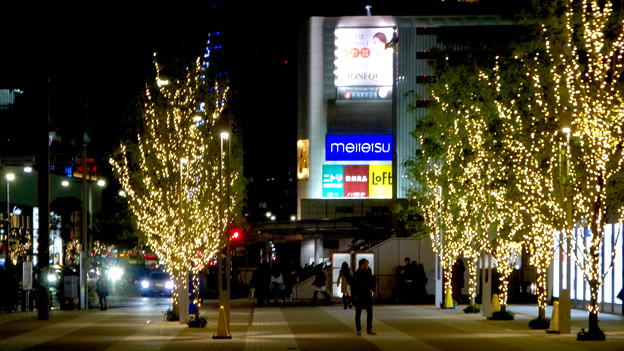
(380, 184)
(356, 181)
(362, 181)
(362, 58)
(358, 147)
(333, 181)
(303, 159)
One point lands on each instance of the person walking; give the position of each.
(362, 287)
(344, 282)
(102, 291)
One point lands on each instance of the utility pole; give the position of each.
(43, 198)
(84, 288)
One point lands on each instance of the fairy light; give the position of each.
(180, 207)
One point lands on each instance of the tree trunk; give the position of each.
(541, 293)
(177, 279)
(594, 332)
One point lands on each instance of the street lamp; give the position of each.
(564, 294)
(183, 294)
(9, 177)
(224, 289)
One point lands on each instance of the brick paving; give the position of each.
(141, 326)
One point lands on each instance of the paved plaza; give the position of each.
(139, 324)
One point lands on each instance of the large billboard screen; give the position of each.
(358, 147)
(362, 58)
(363, 181)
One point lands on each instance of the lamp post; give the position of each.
(564, 294)
(183, 295)
(224, 289)
(9, 178)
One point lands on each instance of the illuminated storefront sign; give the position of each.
(363, 181)
(346, 147)
(364, 93)
(362, 60)
(380, 184)
(303, 159)
(356, 181)
(333, 181)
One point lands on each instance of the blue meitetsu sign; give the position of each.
(358, 147)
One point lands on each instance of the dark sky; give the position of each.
(98, 57)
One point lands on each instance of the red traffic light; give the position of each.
(235, 234)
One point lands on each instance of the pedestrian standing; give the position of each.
(277, 285)
(344, 282)
(320, 280)
(362, 287)
(102, 291)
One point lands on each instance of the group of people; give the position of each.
(357, 288)
(411, 282)
(273, 283)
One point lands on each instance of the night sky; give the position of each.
(98, 59)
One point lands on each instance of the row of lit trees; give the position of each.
(492, 173)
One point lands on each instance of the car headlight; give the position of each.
(144, 284)
(115, 273)
(169, 285)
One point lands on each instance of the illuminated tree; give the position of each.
(587, 67)
(452, 172)
(530, 125)
(174, 175)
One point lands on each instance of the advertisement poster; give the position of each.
(362, 58)
(362, 181)
(380, 181)
(356, 181)
(333, 181)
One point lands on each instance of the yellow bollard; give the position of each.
(223, 331)
(554, 323)
(495, 303)
(449, 300)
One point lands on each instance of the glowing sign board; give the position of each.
(333, 180)
(380, 181)
(362, 58)
(356, 181)
(358, 147)
(363, 181)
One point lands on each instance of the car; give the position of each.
(157, 284)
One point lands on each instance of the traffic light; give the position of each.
(235, 233)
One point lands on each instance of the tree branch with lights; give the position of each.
(173, 175)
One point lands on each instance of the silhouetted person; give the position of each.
(320, 280)
(362, 287)
(420, 284)
(102, 291)
(260, 281)
(457, 281)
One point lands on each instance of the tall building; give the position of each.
(361, 91)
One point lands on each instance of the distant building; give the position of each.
(358, 79)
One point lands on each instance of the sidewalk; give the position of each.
(140, 325)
